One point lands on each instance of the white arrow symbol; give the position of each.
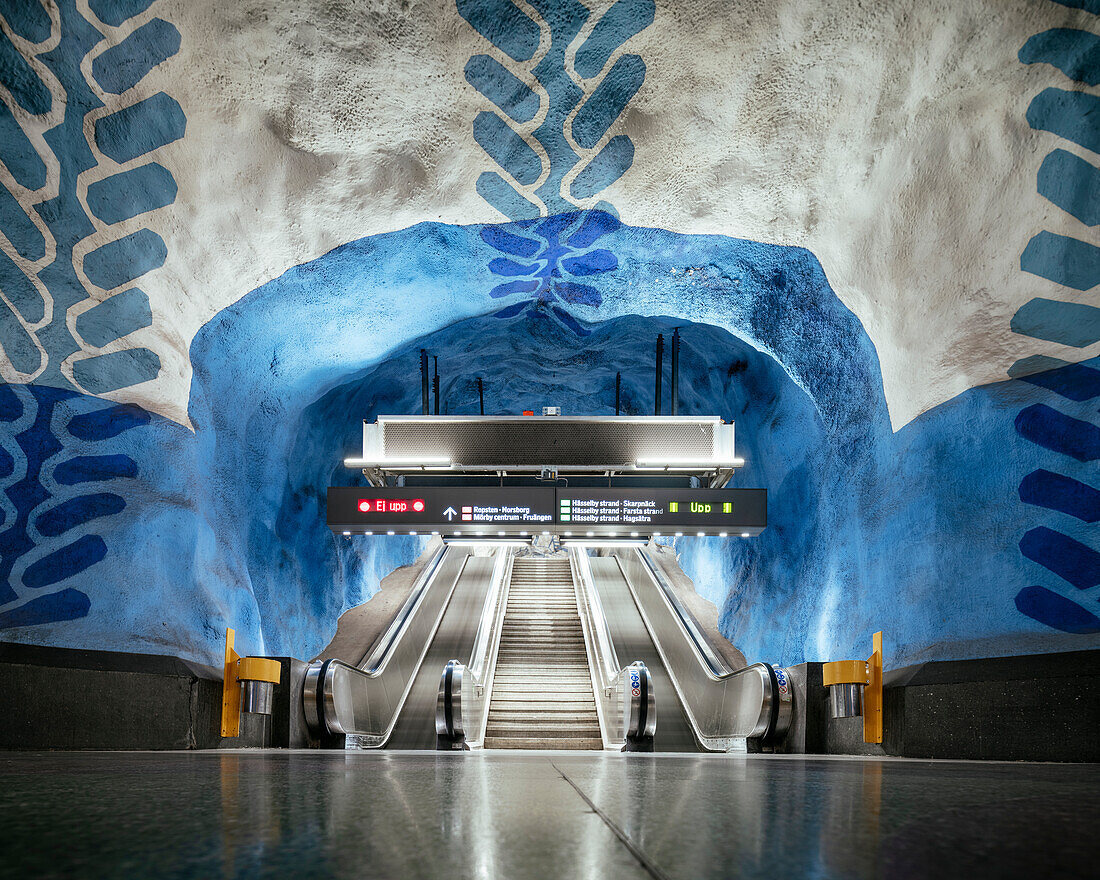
(450, 513)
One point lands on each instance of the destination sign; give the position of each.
(489, 511)
(664, 509)
(447, 509)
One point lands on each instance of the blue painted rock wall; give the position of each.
(206, 288)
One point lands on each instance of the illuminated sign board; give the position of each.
(489, 511)
(663, 510)
(451, 509)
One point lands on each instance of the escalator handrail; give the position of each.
(324, 680)
(466, 709)
(616, 702)
(384, 647)
(770, 719)
(607, 660)
(717, 664)
(484, 640)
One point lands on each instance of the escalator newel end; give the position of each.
(640, 722)
(450, 734)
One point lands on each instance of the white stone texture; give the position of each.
(890, 139)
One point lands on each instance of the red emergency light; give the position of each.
(391, 505)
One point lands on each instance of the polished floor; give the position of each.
(540, 815)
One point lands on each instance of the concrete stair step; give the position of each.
(505, 705)
(523, 663)
(539, 612)
(545, 728)
(541, 719)
(547, 689)
(568, 721)
(561, 695)
(521, 742)
(513, 703)
(581, 691)
(522, 624)
(567, 654)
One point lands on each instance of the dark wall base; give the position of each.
(59, 698)
(1039, 707)
(1043, 707)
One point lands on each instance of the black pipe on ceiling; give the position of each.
(660, 369)
(618, 390)
(435, 384)
(674, 393)
(481, 395)
(423, 381)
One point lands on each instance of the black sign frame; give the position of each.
(511, 511)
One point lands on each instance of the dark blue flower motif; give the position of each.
(546, 255)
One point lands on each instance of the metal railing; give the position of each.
(465, 689)
(625, 701)
(723, 705)
(365, 701)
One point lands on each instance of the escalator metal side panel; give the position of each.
(453, 638)
(366, 703)
(633, 642)
(722, 708)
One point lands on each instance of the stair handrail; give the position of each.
(365, 700)
(625, 700)
(724, 706)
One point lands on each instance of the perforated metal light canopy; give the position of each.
(517, 444)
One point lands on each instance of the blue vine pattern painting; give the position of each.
(552, 142)
(69, 305)
(1073, 184)
(547, 256)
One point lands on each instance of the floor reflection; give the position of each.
(485, 815)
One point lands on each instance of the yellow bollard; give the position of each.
(241, 669)
(866, 675)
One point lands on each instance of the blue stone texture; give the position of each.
(909, 532)
(916, 532)
(70, 480)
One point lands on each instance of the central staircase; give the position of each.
(542, 690)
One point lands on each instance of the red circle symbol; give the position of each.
(364, 505)
(418, 505)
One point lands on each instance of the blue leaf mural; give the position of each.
(1072, 184)
(551, 253)
(46, 230)
(49, 516)
(561, 104)
(56, 439)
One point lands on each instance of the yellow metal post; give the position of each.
(868, 673)
(872, 694)
(238, 669)
(231, 689)
(844, 672)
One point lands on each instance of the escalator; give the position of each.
(415, 727)
(511, 650)
(632, 639)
